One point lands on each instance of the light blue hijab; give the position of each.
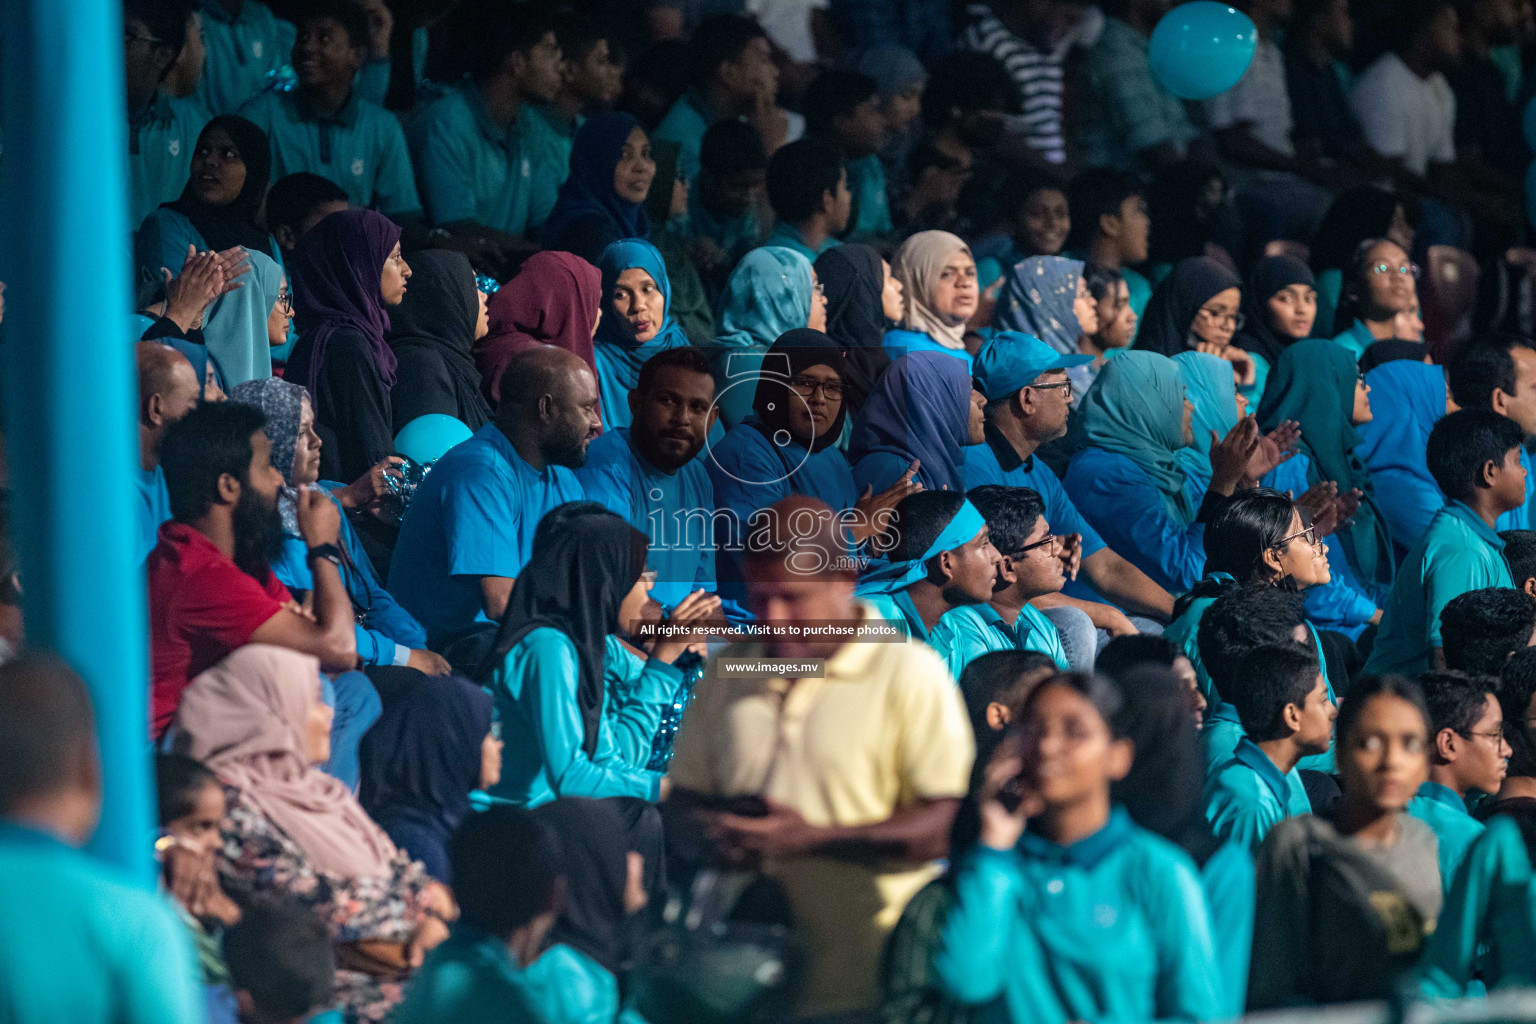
(1136, 409)
(768, 294)
(236, 326)
(1211, 389)
(1037, 298)
(617, 354)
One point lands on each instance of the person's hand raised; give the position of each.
(319, 518)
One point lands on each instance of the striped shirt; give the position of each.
(1037, 74)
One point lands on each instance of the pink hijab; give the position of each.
(553, 300)
(244, 719)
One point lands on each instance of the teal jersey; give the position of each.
(966, 633)
(1446, 813)
(1486, 925)
(161, 138)
(245, 53)
(1249, 795)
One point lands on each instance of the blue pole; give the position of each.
(67, 380)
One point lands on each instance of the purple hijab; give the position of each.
(920, 409)
(336, 269)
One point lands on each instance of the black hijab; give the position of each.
(853, 278)
(801, 349)
(238, 222)
(585, 560)
(1267, 277)
(1356, 214)
(436, 324)
(1391, 351)
(1170, 313)
(421, 759)
(594, 861)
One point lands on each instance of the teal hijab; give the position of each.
(1136, 409)
(768, 294)
(1210, 387)
(1313, 382)
(236, 327)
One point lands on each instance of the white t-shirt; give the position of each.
(788, 23)
(1406, 116)
(1259, 98)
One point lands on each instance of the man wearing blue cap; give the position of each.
(941, 557)
(1028, 398)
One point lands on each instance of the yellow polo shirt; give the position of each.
(885, 728)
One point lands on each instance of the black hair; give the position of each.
(1520, 553)
(800, 175)
(1241, 619)
(1011, 513)
(505, 862)
(1354, 292)
(1410, 18)
(926, 155)
(1482, 366)
(46, 728)
(718, 39)
(1455, 701)
(211, 440)
(997, 676)
(1480, 629)
(730, 147)
(1019, 185)
(1093, 194)
(281, 954)
(166, 20)
(1270, 677)
(478, 37)
(918, 519)
(578, 36)
(832, 94)
(1517, 685)
(349, 14)
(178, 779)
(1105, 696)
(1136, 650)
(1462, 443)
(684, 357)
(8, 565)
(294, 196)
(1244, 528)
(967, 82)
(1101, 280)
(1376, 686)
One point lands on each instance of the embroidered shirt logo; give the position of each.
(357, 168)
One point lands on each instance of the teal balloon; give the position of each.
(426, 438)
(1202, 48)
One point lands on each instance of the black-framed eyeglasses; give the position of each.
(285, 301)
(805, 387)
(1067, 384)
(1309, 533)
(1027, 548)
(1237, 319)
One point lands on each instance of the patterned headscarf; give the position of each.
(283, 403)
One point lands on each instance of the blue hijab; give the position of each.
(920, 409)
(1136, 409)
(589, 191)
(1210, 388)
(1037, 298)
(1407, 400)
(768, 294)
(619, 356)
(236, 327)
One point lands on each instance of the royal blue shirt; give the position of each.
(995, 461)
(474, 515)
(154, 508)
(1120, 501)
(900, 342)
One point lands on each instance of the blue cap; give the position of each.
(1013, 359)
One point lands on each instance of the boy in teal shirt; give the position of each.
(733, 76)
(1467, 754)
(324, 127)
(1474, 456)
(808, 189)
(162, 130)
(246, 46)
(843, 108)
(1031, 565)
(1282, 701)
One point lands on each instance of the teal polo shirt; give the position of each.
(361, 149)
(1356, 340)
(871, 209)
(547, 138)
(966, 633)
(898, 610)
(789, 237)
(1249, 795)
(245, 52)
(1446, 813)
(471, 170)
(1458, 552)
(161, 138)
(685, 124)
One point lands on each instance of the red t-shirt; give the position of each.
(201, 607)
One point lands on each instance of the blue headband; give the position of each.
(897, 576)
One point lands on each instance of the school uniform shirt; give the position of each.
(1356, 340)
(1113, 928)
(201, 607)
(1520, 518)
(1486, 928)
(474, 515)
(685, 124)
(161, 138)
(966, 633)
(535, 693)
(154, 508)
(386, 633)
(245, 53)
(1227, 878)
(472, 977)
(996, 461)
(674, 510)
(472, 170)
(548, 140)
(1457, 553)
(882, 729)
(871, 208)
(1446, 813)
(361, 149)
(1120, 501)
(1249, 795)
(1222, 732)
(898, 610)
(80, 944)
(787, 236)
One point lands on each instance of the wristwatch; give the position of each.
(330, 552)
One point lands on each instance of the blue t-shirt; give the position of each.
(1120, 501)
(674, 510)
(245, 52)
(154, 508)
(901, 342)
(996, 462)
(474, 515)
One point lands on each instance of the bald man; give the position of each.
(168, 389)
(469, 529)
(861, 763)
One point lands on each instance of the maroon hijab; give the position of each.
(553, 300)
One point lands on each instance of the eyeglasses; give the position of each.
(1496, 737)
(820, 290)
(1067, 384)
(1216, 316)
(285, 300)
(1027, 548)
(1408, 269)
(1309, 534)
(133, 37)
(805, 387)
